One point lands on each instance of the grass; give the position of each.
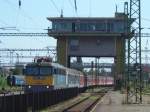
(94, 97)
(146, 90)
(3, 82)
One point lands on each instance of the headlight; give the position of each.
(47, 87)
(29, 86)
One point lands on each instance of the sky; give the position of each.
(32, 14)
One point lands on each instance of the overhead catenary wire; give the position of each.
(56, 6)
(18, 17)
(75, 5)
(19, 3)
(72, 5)
(23, 12)
(6, 26)
(31, 28)
(146, 19)
(3, 22)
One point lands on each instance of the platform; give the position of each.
(114, 102)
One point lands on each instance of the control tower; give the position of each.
(90, 37)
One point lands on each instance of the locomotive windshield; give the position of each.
(45, 70)
(38, 70)
(30, 70)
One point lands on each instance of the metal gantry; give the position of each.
(134, 71)
(24, 34)
(29, 35)
(21, 55)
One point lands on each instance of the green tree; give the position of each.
(16, 71)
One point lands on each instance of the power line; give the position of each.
(4, 23)
(75, 4)
(24, 13)
(146, 19)
(55, 6)
(72, 5)
(19, 4)
(30, 28)
(17, 17)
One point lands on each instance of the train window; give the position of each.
(55, 71)
(58, 71)
(63, 72)
(32, 70)
(45, 71)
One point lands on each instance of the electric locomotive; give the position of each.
(44, 75)
(38, 76)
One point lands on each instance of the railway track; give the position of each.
(86, 104)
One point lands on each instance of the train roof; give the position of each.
(73, 71)
(56, 65)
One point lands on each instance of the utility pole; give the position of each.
(126, 31)
(134, 75)
(92, 69)
(146, 52)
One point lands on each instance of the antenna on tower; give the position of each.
(116, 8)
(61, 15)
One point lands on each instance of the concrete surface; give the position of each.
(113, 102)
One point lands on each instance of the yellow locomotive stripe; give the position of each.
(39, 80)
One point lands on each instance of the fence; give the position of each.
(36, 101)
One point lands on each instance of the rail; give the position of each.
(86, 104)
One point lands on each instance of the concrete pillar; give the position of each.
(120, 61)
(62, 47)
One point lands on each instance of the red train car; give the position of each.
(99, 80)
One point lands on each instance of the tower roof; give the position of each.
(118, 16)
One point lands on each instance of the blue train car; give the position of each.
(20, 80)
(16, 80)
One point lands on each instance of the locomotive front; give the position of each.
(38, 77)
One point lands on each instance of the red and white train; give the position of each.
(99, 80)
(47, 76)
